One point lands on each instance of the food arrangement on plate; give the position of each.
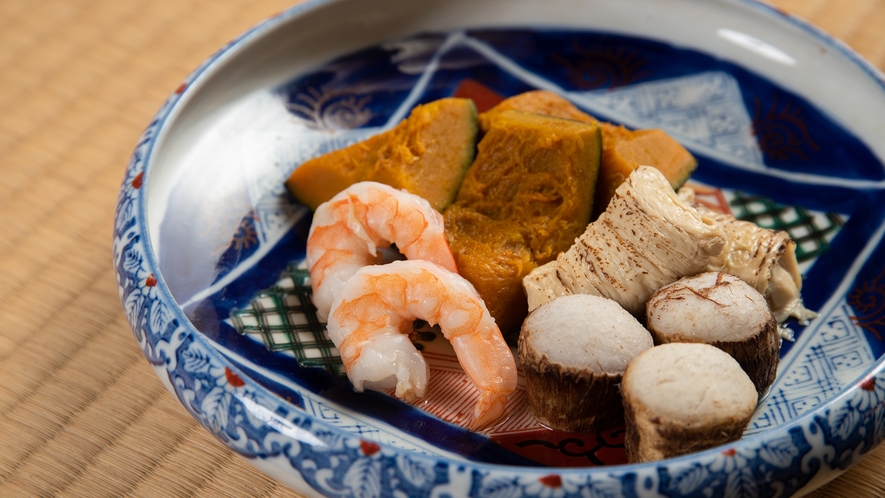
(211, 250)
(525, 238)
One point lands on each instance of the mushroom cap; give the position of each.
(707, 307)
(584, 332)
(692, 384)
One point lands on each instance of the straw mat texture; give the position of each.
(81, 412)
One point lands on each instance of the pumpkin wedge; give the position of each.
(526, 197)
(426, 154)
(623, 150)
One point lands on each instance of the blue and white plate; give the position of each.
(208, 246)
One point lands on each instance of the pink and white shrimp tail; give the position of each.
(348, 230)
(370, 321)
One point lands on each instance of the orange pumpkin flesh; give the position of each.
(526, 197)
(623, 150)
(426, 154)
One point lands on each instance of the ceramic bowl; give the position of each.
(208, 247)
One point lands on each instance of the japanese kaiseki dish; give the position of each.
(532, 183)
(563, 259)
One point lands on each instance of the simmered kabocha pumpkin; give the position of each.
(623, 150)
(426, 154)
(526, 197)
(536, 102)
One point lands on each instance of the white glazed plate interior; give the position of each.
(784, 120)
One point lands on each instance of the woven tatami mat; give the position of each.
(81, 413)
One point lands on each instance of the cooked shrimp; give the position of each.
(370, 322)
(348, 230)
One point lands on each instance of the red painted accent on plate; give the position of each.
(602, 66)
(712, 197)
(869, 384)
(868, 301)
(369, 448)
(551, 481)
(566, 449)
(781, 131)
(484, 97)
(150, 281)
(181, 88)
(233, 379)
(136, 182)
(730, 452)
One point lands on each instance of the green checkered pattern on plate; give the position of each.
(285, 318)
(810, 232)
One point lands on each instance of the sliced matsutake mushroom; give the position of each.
(762, 257)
